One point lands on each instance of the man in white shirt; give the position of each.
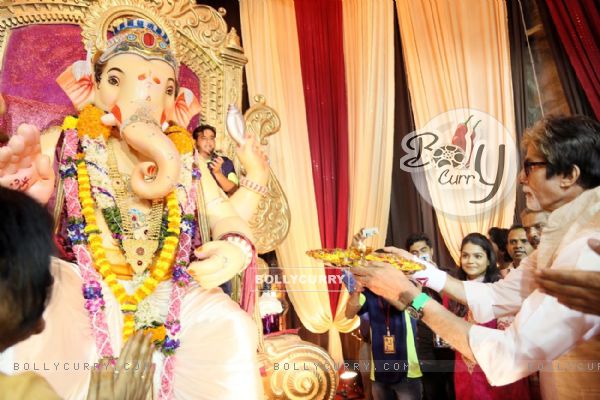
(562, 169)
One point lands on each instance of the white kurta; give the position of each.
(217, 358)
(543, 330)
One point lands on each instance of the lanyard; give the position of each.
(387, 314)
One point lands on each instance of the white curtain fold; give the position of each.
(457, 57)
(271, 45)
(369, 56)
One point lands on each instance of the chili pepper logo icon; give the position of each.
(470, 162)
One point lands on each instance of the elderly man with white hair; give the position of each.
(561, 169)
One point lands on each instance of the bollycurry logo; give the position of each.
(463, 162)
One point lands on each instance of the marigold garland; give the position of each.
(182, 139)
(158, 333)
(70, 122)
(158, 272)
(90, 124)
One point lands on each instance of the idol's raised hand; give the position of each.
(23, 167)
(254, 161)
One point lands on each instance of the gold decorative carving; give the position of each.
(303, 370)
(233, 40)
(271, 222)
(262, 120)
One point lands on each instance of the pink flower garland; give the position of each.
(178, 291)
(84, 259)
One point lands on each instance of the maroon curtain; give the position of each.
(320, 38)
(578, 25)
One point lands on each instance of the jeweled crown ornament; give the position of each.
(140, 37)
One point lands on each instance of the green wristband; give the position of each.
(419, 302)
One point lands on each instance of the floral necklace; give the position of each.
(84, 232)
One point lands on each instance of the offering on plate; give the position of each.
(352, 257)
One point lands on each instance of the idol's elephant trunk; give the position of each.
(152, 179)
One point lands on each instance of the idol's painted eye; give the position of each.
(170, 90)
(113, 80)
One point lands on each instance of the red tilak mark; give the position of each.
(141, 77)
(156, 80)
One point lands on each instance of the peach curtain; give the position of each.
(369, 55)
(271, 44)
(457, 57)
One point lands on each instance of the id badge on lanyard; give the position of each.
(389, 340)
(389, 343)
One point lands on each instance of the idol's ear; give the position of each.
(186, 107)
(78, 84)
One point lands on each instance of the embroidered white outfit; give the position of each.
(543, 330)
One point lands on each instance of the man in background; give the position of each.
(435, 356)
(533, 222)
(518, 247)
(221, 167)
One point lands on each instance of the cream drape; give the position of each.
(271, 44)
(369, 55)
(457, 56)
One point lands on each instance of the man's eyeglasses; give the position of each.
(529, 165)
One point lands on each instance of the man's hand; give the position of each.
(579, 290)
(130, 378)
(215, 165)
(386, 281)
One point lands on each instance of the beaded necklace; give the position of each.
(138, 251)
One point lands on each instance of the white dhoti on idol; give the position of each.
(216, 358)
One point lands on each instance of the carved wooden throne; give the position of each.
(39, 39)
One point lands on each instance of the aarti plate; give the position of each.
(352, 257)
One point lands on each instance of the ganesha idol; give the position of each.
(132, 189)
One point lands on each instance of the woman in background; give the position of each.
(478, 263)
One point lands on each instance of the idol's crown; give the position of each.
(140, 37)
